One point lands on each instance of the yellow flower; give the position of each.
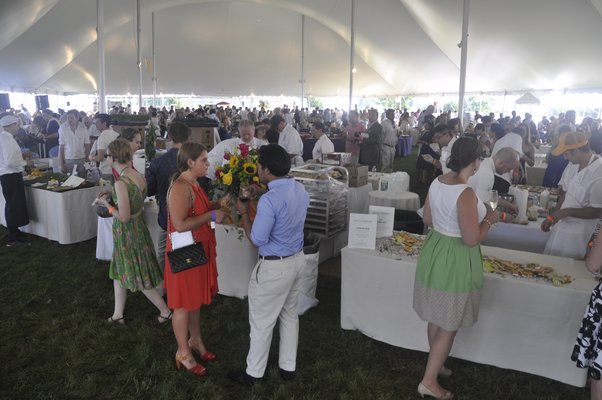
(227, 179)
(233, 162)
(255, 179)
(250, 168)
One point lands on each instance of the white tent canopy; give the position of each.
(527, 98)
(229, 48)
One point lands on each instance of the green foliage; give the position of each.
(265, 104)
(150, 143)
(387, 102)
(451, 106)
(314, 102)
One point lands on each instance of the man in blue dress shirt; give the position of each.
(276, 279)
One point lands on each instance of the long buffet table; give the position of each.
(65, 217)
(523, 324)
(518, 237)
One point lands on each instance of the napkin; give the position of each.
(521, 197)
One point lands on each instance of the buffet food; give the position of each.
(34, 174)
(529, 270)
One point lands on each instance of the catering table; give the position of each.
(398, 200)
(65, 217)
(518, 237)
(404, 146)
(308, 146)
(523, 324)
(139, 160)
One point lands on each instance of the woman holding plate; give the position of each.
(134, 265)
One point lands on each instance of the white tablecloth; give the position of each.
(400, 201)
(523, 324)
(66, 217)
(518, 237)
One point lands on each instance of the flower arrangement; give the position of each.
(238, 171)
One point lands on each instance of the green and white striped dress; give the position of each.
(449, 275)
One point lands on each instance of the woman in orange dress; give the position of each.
(189, 209)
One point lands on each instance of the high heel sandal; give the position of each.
(424, 391)
(206, 356)
(197, 369)
(120, 321)
(161, 319)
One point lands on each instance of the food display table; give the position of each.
(518, 237)
(398, 200)
(524, 324)
(65, 217)
(308, 146)
(404, 146)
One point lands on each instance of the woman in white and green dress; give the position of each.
(449, 275)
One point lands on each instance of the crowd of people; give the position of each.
(460, 167)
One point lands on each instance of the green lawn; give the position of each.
(57, 345)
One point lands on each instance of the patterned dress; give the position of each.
(588, 348)
(134, 262)
(192, 288)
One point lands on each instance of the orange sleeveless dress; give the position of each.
(194, 287)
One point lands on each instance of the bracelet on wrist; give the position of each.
(488, 222)
(212, 215)
(551, 219)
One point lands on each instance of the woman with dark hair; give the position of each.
(449, 275)
(189, 209)
(134, 137)
(134, 265)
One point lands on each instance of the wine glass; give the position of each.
(493, 199)
(244, 194)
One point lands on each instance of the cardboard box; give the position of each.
(357, 171)
(204, 136)
(336, 158)
(358, 181)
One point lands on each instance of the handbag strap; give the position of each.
(170, 224)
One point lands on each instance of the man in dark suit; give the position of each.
(370, 147)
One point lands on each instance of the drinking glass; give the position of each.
(493, 199)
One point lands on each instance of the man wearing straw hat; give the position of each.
(579, 203)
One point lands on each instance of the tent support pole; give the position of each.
(139, 52)
(464, 52)
(154, 61)
(302, 59)
(351, 54)
(100, 44)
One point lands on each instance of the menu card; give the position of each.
(362, 231)
(386, 217)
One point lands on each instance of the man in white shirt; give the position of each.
(246, 130)
(289, 139)
(11, 180)
(74, 144)
(579, 205)
(107, 135)
(387, 151)
(323, 145)
(483, 180)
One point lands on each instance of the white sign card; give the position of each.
(362, 231)
(386, 217)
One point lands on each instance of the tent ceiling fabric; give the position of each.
(241, 47)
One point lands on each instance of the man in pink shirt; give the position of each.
(352, 135)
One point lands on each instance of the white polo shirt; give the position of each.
(11, 159)
(291, 140)
(105, 138)
(482, 181)
(323, 146)
(74, 142)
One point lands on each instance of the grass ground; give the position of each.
(56, 345)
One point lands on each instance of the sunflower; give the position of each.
(233, 162)
(227, 179)
(255, 179)
(250, 168)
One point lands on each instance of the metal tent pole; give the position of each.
(100, 44)
(154, 62)
(139, 53)
(464, 48)
(352, 54)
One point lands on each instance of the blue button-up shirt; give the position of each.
(278, 226)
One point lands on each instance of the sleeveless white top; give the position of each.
(443, 199)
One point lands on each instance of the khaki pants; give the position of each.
(387, 157)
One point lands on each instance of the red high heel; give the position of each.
(207, 356)
(197, 369)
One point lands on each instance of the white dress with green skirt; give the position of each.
(449, 275)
